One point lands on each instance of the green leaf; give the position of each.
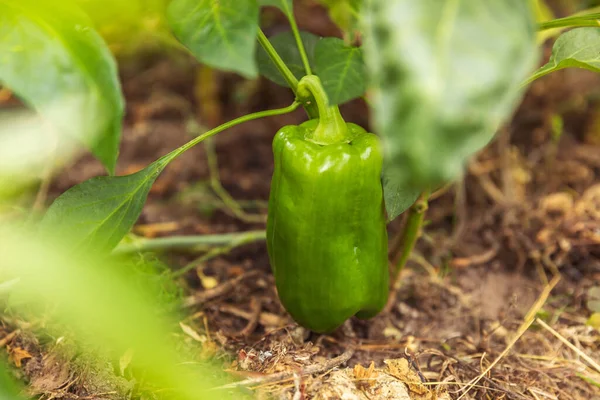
(101, 211)
(285, 44)
(8, 388)
(397, 198)
(577, 48)
(284, 5)
(445, 74)
(341, 69)
(345, 13)
(221, 33)
(56, 62)
(125, 312)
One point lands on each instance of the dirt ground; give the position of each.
(495, 302)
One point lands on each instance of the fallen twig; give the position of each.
(216, 291)
(265, 318)
(580, 353)
(289, 375)
(6, 339)
(255, 308)
(477, 259)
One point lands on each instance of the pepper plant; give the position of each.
(440, 76)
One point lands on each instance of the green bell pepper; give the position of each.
(326, 229)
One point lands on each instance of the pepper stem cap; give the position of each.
(331, 128)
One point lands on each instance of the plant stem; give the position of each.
(242, 239)
(261, 114)
(188, 242)
(572, 21)
(411, 233)
(289, 77)
(279, 63)
(331, 128)
(215, 182)
(290, 15)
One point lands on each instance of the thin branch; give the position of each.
(289, 375)
(189, 242)
(580, 353)
(217, 291)
(289, 77)
(215, 182)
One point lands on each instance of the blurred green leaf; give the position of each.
(285, 44)
(341, 69)
(220, 34)
(100, 211)
(95, 298)
(541, 10)
(50, 54)
(577, 48)
(557, 124)
(26, 149)
(444, 75)
(130, 13)
(593, 299)
(284, 5)
(594, 321)
(543, 13)
(8, 388)
(345, 13)
(132, 26)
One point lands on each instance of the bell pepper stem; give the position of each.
(249, 117)
(298, 39)
(331, 128)
(289, 13)
(289, 77)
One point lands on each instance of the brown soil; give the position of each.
(527, 211)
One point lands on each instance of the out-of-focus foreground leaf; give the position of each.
(131, 26)
(444, 75)
(543, 13)
(284, 5)
(25, 150)
(50, 54)
(8, 388)
(94, 298)
(345, 13)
